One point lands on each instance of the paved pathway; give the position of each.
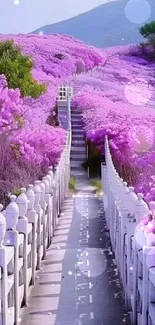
(78, 282)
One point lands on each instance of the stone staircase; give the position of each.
(78, 149)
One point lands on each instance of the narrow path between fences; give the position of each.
(78, 283)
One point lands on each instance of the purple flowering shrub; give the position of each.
(42, 147)
(26, 148)
(15, 172)
(117, 100)
(11, 107)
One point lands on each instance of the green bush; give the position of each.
(148, 32)
(97, 184)
(17, 69)
(16, 192)
(72, 183)
(148, 29)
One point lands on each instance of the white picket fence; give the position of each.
(134, 251)
(26, 230)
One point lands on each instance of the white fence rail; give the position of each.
(65, 92)
(134, 250)
(26, 229)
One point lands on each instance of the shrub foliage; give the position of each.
(148, 32)
(17, 69)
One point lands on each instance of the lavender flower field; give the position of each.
(28, 143)
(117, 100)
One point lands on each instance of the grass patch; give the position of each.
(97, 184)
(72, 183)
(16, 192)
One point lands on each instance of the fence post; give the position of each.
(104, 179)
(44, 217)
(54, 185)
(3, 264)
(148, 262)
(135, 284)
(49, 200)
(142, 209)
(87, 156)
(47, 181)
(68, 112)
(33, 218)
(37, 191)
(22, 227)
(11, 239)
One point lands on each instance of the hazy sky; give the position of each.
(28, 15)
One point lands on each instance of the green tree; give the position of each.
(17, 69)
(148, 32)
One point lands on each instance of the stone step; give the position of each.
(82, 151)
(81, 174)
(76, 165)
(77, 123)
(77, 127)
(61, 103)
(74, 110)
(78, 143)
(77, 137)
(77, 131)
(81, 158)
(76, 115)
(78, 156)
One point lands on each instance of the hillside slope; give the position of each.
(103, 26)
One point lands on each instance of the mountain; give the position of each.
(104, 26)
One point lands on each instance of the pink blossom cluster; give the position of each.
(117, 100)
(41, 146)
(11, 107)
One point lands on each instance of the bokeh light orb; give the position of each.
(141, 138)
(137, 11)
(138, 92)
(97, 261)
